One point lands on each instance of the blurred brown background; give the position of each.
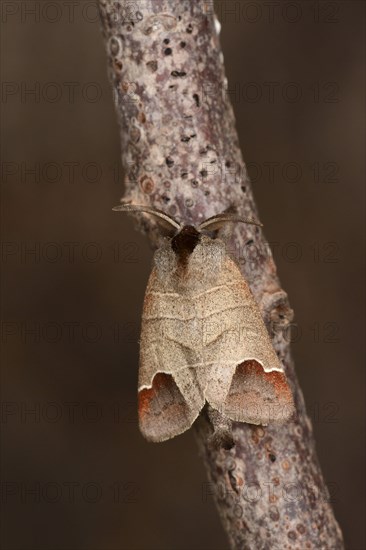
(76, 473)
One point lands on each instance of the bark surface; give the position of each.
(181, 154)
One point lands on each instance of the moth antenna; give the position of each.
(148, 210)
(215, 222)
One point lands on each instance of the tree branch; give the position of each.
(181, 154)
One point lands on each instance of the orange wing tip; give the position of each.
(258, 397)
(163, 411)
(255, 397)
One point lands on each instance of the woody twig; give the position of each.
(181, 155)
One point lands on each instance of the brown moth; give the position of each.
(203, 338)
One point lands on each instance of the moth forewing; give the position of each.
(170, 396)
(236, 341)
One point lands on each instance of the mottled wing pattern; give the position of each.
(207, 345)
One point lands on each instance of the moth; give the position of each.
(203, 339)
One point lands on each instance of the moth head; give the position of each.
(188, 245)
(184, 242)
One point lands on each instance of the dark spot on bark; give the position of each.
(118, 65)
(274, 515)
(166, 40)
(152, 65)
(189, 29)
(169, 162)
(193, 135)
(147, 185)
(203, 173)
(168, 51)
(312, 500)
(185, 139)
(233, 482)
(178, 74)
(248, 243)
(227, 164)
(194, 183)
(141, 118)
(135, 134)
(165, 199)
(189, 203)
(243, 188)
(206, 193)
(132, 174)
(196, 98)
(292, 535)
(114, 46)
(301, 529)
(184, 175)
(182, 44)
(238, 511)
(272, 457)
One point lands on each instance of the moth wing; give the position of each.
(247, 382)
(254, 396)
(170, 396)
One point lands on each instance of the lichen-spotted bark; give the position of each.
(181, 154)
